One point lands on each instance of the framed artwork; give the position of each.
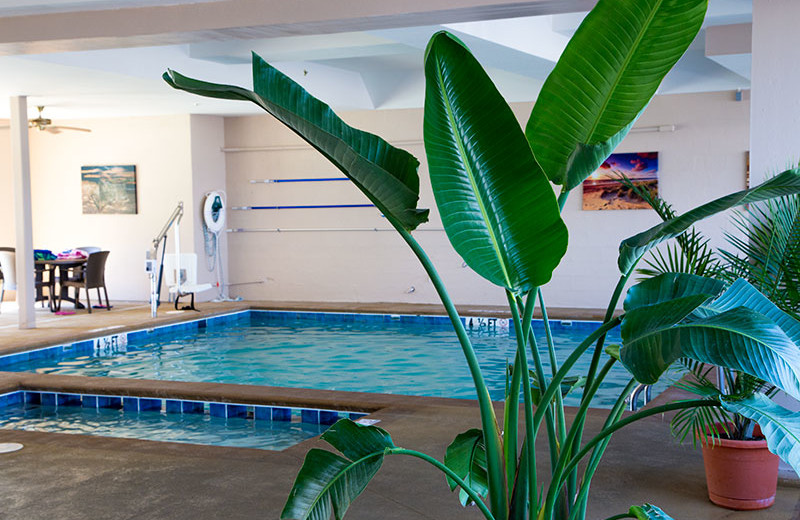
(109, 189)
(602, 189)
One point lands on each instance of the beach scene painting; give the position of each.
(603, 190)
(109, 189)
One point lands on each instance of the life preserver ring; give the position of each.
(214, 211)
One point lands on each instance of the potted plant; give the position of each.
(492, 184)
(741, 472)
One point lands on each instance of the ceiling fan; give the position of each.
(45, 124)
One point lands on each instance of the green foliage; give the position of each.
(632, 249)
(568, 385)
(327, 484)
(495, 202)
(648, 512)
(385, 174)
(765, 250)
(697, 422)
(740, 330)
(780, 427)
(691, 252)
(670, 286)
(466, 456)
(501, 216)
(765, 255)
(604, 79)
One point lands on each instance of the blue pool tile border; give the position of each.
(87, 347)
(177, 406)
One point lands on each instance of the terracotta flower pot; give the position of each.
(740, 475)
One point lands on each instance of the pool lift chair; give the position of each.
(179, 269)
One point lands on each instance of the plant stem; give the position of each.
(450, 473)
(522, 327)
(575, 430)
(537, 360)
(511, 418)
(562, 200)
(498, 494)
(568, 363)
(559, 405)
(612, 305)
(597, 454)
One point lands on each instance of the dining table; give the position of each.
(58, 269)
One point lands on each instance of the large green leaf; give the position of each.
(466, 456)
(605, 77)
(387, 175)
(648, 512)
(650, 340)
(328, 483)
(740, 338)
(356, 440)
(780, 426)
(669, 286)
(631, 249)
(498, 208)
(742, 293)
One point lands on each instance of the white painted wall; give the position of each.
(776, 74)
(177, 158)
(160, 149)
(703, 159)
(208, 174)
(6, 192)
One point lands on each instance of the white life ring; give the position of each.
(214, 211)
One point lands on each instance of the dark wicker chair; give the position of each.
(90, 277)
(44, 277)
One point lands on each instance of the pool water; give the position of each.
(387, 356)
(193, 428)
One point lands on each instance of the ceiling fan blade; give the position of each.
(57, 128)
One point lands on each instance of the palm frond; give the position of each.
(765, 250)
(699, 422)
(691, 252)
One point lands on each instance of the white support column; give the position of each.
(21, 170)
(775, 97)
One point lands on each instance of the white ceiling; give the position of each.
(370, 69)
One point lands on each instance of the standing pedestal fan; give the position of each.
(213, 226)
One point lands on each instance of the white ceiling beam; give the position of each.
(731, 46)
(307, 48)
(247, 19)
(531, 35)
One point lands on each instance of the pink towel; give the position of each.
(73, 254)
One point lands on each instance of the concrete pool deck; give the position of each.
(59, 476)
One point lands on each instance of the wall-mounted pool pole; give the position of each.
(314, 206)
(152, 256)
(306, 179)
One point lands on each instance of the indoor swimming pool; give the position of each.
(410, 355)
(166, 420)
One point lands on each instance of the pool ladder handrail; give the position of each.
(633, 398)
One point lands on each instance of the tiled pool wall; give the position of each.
(114, 342)
(177, 406)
